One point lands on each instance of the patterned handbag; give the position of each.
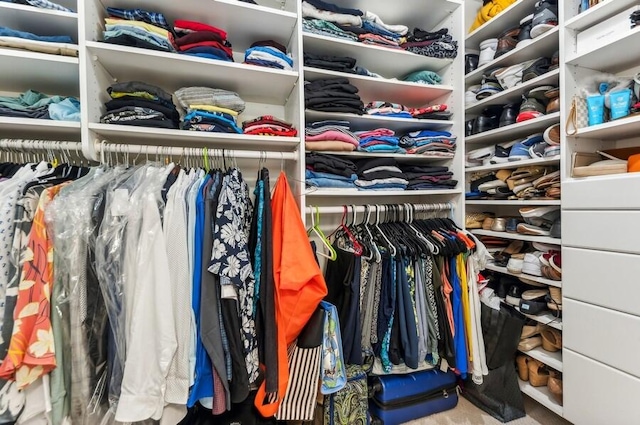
(349, 406)
(333, 372)
(578, 116)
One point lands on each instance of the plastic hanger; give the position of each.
(392, 249)
(315, 229)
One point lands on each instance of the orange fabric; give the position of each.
(31, 349)
(447, 289)
(633, 164)
(299, 284)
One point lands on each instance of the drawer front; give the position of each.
(602, 193)
(608, 336)
(596, 394)
(607, 279)
(606, 230)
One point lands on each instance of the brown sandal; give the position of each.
(538, 373)
(551, 340)
(523, 367)
(555, 386)
(529, 344)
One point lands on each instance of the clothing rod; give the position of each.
(361, 208)
(28, 145)
(199, 152)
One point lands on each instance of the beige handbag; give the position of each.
(578, 116)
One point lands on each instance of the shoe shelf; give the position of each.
(514, 94)
(504, 270)
(610, 57)
(542, 396)
(623, 128)
(183, 138)
(517, 236)
(513, 203)
(553, 360)
(368, 122)
(544, 45)
(508, 18)
(329, 193)
(41, 21)
(515, 164)
(413, 95)
(24, 128)
(397, 156)
(514, 131)
(598, 13)
(547, 319)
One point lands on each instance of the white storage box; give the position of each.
(605, 32)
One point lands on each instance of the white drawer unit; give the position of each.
(596, 394)
(602, 193)
(603, 230)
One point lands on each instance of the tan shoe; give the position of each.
(551, 340)
(538, 373)
(555, 385)
(523, 367)
(529, 344)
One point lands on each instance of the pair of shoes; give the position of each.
(471, 61)
(538, 102)
(545, 17)
(488, 120)
(551, 340)
(555, 385)
(474, 220)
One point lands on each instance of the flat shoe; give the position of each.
(529, 344)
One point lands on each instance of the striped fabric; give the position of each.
(188, 96)
(300, 400)
(46, 4)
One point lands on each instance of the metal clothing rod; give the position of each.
(29, 145)
(447, 206)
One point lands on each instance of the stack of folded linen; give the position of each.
(374, 25)
(328, 171)
(439, 44)
(388, 109)
(209, 109)
(32, 104)
(379, 140)
(380, 174)
(267, 125)
(433, 143)
(332, 95)
(433, 112)
(422, 177)
(138, 28)
(268, 53)
(51, 44)
(330, 136)
(140, 104)
(202, 40)
(328, 19)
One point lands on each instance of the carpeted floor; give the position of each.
(467, 414)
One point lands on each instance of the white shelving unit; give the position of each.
(515, 164)
(518, 236)
(551, 359)
(514, 131)
(542, 396)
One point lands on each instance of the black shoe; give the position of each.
(539, 67)
(524, 37)
(469, 126)
(471, 63)
(489, 119)
(545, 17)
(509, 114)
(514, 296)
(501, 155)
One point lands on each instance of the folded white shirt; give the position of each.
(310, 11)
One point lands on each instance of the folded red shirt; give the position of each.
(179, 24)
(215, 44)
(197, 37)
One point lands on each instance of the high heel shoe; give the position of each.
(538, 373)
(555, 386)
(523, 367)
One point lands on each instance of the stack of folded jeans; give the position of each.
(439, 44)
(209, 109)
(137, 28)
(330, 136)
(41, 4)
(379, 140)
(51, 44)
(380, 174)
(388, 109)
(140, 104)
(374, 25)
(332, 95)
(202, 40)
(433, 112)
(32, 104)
(267, 125)
(433, 143)
(422, 177)
(328, 171)
(270, 54)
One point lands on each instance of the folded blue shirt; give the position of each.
(387, 139)
(67, 110)
(8, 32)
(382, 148)
(270, 50)
(309, 174)
(330, 183)
(196, 116)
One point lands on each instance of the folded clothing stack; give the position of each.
(433, 143)
(422, 177)
(268, 53)
(209, 109)
(378, 40)
(33, 104)
(388, 109)
(423, 77)
(330, 135)
(337, 63)
(138, 28)
(267, 125)
(381, 140)
(202, 40)
(325, 18)
(433, 112)
(380, 174)
(318, 26)
(41, 4)
(439, 44)
(50, 44)
(140, 104)
(332, 95)
(328, 171)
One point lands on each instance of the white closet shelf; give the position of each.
(513, 203)
(515, 164)
(547, 319)
(553, 360)
(172, 71)
(623, 128)
(53, 74)
(610, 57)
(515, 131)
(504, 270)
(377, 193)
(183, 138)
(370, 88)
(542, 396)
(541, 46)
(245, 23)
(382, 60)
(508, 18)
(25, 128)
(597, 13)
(369, 122)
(517, 236)
(42, 21)
(398, 156)
(514, 94)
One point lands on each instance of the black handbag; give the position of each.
(501, 331)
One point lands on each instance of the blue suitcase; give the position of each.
(395, 399)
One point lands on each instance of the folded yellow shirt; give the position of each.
(211, 108)
(141, 94)
(490, 10)
(151, 28)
